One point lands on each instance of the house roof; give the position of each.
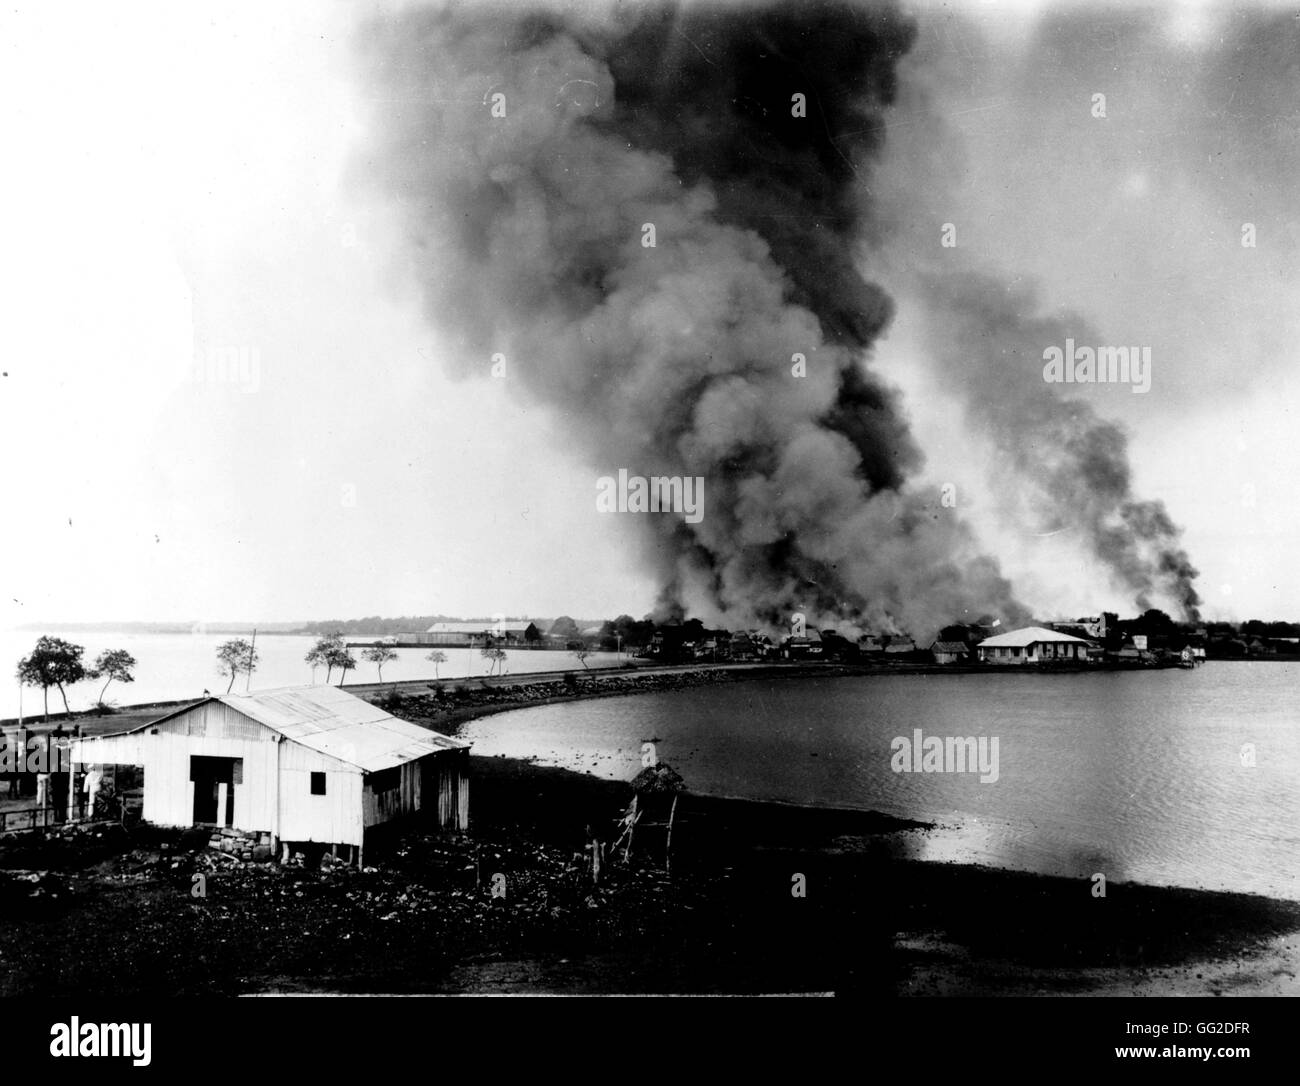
(339, 724)
(950, 646)
(476, 627)
(1027, 636)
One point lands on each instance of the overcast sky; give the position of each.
(185, 182)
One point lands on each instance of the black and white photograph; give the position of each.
(656, 498)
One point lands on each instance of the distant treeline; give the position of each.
(195, 627)
(376, 624)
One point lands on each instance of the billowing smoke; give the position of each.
(1071, 467)
(530, 152)
(1057, 464)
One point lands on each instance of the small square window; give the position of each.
(318, 784)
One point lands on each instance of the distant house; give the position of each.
(472, 634)
(749, 645)
(871, 643)
(808, 647)
(1032, 645)
(950, 652)
(306, 764)
(900, 643)
(742, 647)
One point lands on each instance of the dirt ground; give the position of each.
(112, 912)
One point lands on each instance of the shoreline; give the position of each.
(871, 920)
(125, 716)
(875, 919)
(460, 699)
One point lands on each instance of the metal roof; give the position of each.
(1028, 636)
(342, 725)
(487, 627)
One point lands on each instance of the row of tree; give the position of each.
(57, 663)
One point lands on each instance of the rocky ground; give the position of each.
(107, 911)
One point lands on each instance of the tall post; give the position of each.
(631, 828)
(72, 784)
(668, 859)
(248, 676)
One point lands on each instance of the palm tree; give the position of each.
(436, 657)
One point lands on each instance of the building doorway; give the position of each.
(214, 781)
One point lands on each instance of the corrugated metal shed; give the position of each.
(302, 764)
(336, 723)
(342, 725)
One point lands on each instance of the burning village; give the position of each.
(969, 678)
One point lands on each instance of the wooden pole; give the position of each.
(631, 827)
(248, 678)
(72, 784)
(668, 860)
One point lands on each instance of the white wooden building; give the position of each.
(1032, 645)
(306, 764)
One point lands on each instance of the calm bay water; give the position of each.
(1138, 775)
(175, 666)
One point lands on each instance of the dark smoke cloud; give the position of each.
(525, 236)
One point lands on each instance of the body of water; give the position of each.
(170, 667)
(1141, 776)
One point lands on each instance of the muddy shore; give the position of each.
(424, 919)
(870, 920)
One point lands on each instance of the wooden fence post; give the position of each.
(668, 857)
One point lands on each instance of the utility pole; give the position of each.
(248, 677)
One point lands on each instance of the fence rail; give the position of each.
(28, 818)
(37, 818)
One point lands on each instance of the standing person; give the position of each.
(91, 785)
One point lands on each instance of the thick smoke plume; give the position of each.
(1057, 463)
(1071, 465)
(525, 233)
